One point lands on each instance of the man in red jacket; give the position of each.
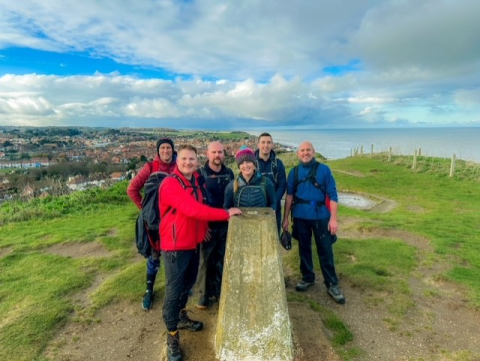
(165, 161)
(183, 226)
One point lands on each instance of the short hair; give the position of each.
(187, 147)
(264, 134)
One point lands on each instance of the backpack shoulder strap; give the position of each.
(203, 172)
(203, 191)
(173, 175)
(275, 169)
(295, 179)
(312, 175)
(263, 188)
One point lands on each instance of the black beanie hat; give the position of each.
(164, 140)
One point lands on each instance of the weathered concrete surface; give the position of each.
(253, 320)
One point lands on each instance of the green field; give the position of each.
(38, 287)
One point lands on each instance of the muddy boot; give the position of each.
(173, 347)
(188, 324)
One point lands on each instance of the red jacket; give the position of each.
(140, 179)
(184, 220)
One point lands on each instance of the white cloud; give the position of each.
(91, 100)
(369, 100)
(414, 61)
(25, 106)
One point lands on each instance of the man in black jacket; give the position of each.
(212, 253)
(271, 167)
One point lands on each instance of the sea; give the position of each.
(462, 142)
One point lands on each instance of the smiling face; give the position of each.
(165, 152)
(265, 145)
(305, 152)
(187, 162)
(247, 169)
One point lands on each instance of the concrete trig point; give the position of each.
(253, 320)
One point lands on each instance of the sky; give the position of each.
(240, 64)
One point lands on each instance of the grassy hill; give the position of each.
(41, 289)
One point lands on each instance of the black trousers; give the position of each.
(181, 269)
(210, 269)
(323, 239)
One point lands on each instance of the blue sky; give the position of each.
(240, 64)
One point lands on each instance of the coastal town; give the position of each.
(42, 161)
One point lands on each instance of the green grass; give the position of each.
(39, 290)
(341, 333)
(448, 216)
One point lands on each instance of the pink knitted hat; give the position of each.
(245, 154)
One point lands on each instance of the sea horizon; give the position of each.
(337, 143)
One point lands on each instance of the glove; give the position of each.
(286, 240)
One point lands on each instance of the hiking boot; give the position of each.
(173, 347)
(188, 324)
(302, 285)
(203, 303)
(336, 294)
(147, 300)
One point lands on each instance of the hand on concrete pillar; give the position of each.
(234, 212)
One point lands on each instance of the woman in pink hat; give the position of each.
(249, 188)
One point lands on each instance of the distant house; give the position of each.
(44, 194)
(27, 193)
(117, 176)
(76, 183)
(116, 160)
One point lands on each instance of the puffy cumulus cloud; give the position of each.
(34, 106)
(254, 39)
(187, 103)
(114, 100)
(152, 108)
(236, 40)
(314, 62)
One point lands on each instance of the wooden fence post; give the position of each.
(452, 166)
(361, 151)
(414, 165)
(371, 151)
(390, 154)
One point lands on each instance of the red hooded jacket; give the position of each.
(137, 183)
(184, 220)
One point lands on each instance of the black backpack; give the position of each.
(273, 170)
(148, 220)
(312, 178)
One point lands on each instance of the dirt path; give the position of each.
(440, 325)
(125, 332)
